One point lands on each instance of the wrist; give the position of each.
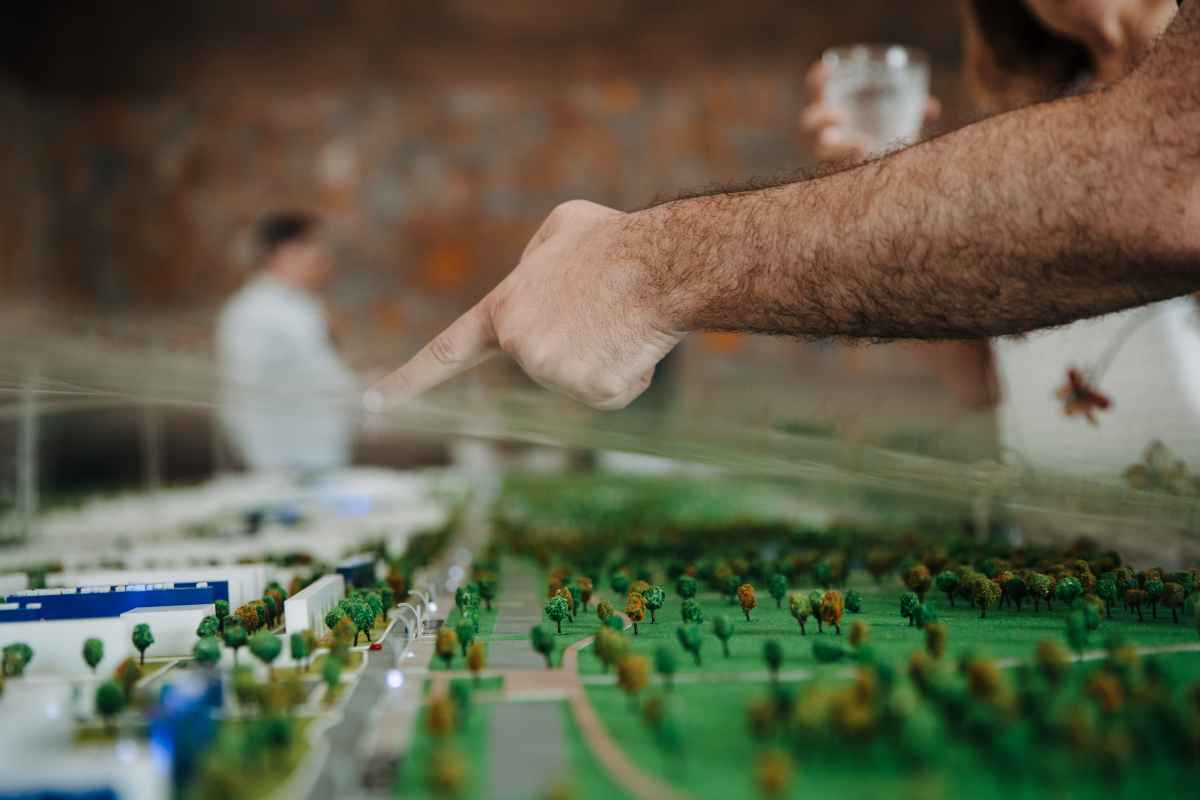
(661, 241)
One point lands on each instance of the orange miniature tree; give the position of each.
(747, 599)
(831, 609)
(635, 609)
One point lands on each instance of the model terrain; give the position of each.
(595, 637)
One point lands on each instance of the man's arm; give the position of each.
(1035, 218)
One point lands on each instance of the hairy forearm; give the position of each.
(1036, 218)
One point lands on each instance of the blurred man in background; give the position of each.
(283, 385)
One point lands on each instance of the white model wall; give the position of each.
(174, 627)
(246, 581)
(58, 644)
(13, 582)
(306, 609)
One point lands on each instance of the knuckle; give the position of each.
(444, 350)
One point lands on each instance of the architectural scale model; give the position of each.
(646, 638)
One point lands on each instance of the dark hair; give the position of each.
(1011, 59)
(280, 228)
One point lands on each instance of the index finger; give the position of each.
(468, 342)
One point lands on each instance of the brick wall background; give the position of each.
(435, 136)
(140, 141)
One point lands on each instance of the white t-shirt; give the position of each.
(284, 392)
(1153, 382)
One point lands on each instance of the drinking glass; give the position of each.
(882, 89)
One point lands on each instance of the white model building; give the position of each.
(13, 582)
(306, 609)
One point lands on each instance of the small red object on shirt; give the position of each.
(1080, 397)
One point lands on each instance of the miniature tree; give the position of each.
(773, 656)
(1172, 597)
(464, 598)
(1134, 599)
(543, 642)
(333, 616)
(639, 586)
(362, 614)
(908, 606)
(1077, 632)
(379, 610)
(1016, 591)
(331, 674)
(918, 580)
(247, 617)
(800, 608)
(568, 598)
(814, 602)
(691, 612)
(93, 653)
(610, 646)
(388, 597)
(110, 701)
(488, 586)
(827, 651)
(686, 587)
(556, 611)
(221, 612)
(633, 673)
(860, 632)
(15, 658)
(586, 588)
(465, 630)
(604, 610)
(635, 609)
(1051, 660)
(273, 610)
(773, 773)
(1106, 590)
(654, 597)
(880, 561)
(207, 651)
(1068, 590)
(665, 665)
(298, 648)
(1154, 589)
(935, 639)
(142, 639)
(947, 584)
(691, 640)
(620, 582)
(830, 610)
(723, 630)
(446, 645)
(924, 615)
(1041, 589)
(476, 659)
(209, 626)
(853, 601)
(259, 608)
(127, 674)
(777, 586)
(266, 647)
(730, 585)
(747, 599)
(985, 593)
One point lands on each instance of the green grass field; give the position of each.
(718, 753)
(1005, 633)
